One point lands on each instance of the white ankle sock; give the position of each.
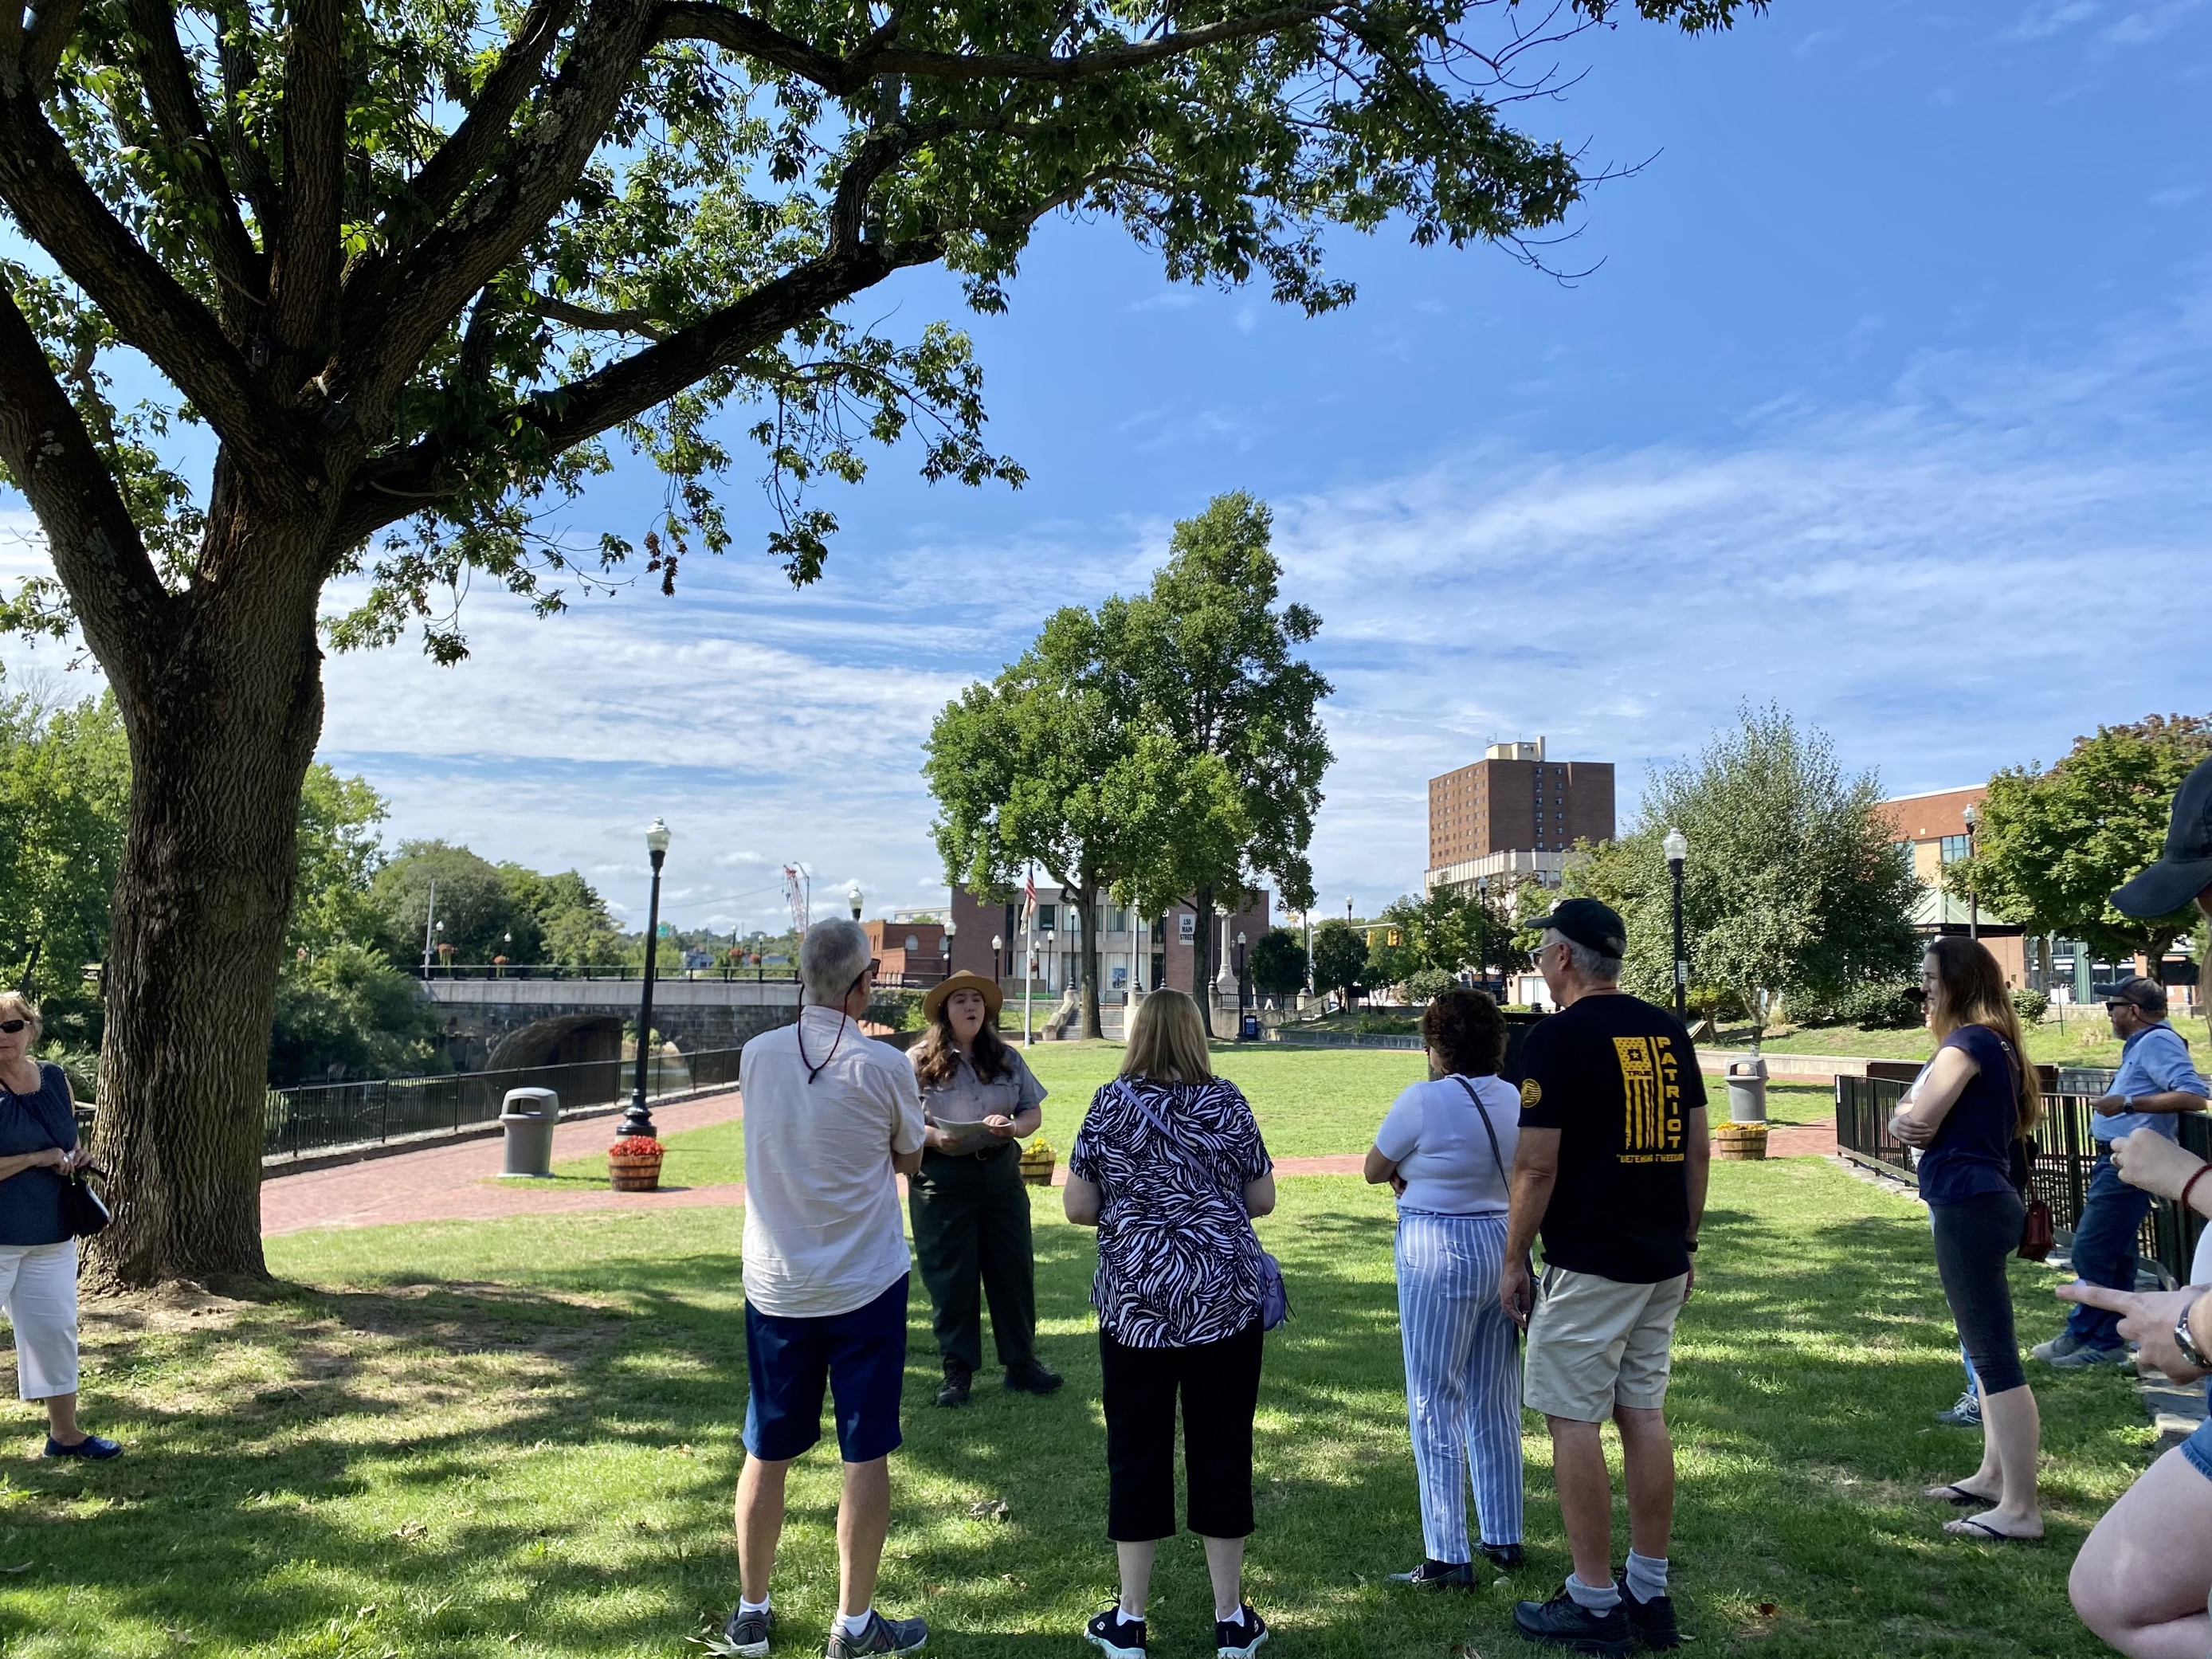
(854, 1623)
(744, 1605)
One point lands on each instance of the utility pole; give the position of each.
(1029, 956)
(430, 927)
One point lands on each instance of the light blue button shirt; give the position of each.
(2152, 1061)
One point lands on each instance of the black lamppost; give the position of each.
(951, 927)
(853, 898)
(997, 944)
(1973, 817)
(1678, 848)
(637, 1119)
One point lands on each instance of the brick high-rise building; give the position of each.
(1515, 813)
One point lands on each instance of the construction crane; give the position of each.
(799, 889)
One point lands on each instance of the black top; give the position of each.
(1973, 1149)
(1619, 1079)
(31, 1200)
(1178, 1261)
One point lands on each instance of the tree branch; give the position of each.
(463, 154)
(614, 322)
(304, 255)
(240, 76)
(150, 309)
(51, 25)
(95, 547)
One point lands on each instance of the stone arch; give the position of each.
(560, 1040)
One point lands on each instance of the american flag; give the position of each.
(1029, 892)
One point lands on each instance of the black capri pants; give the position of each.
(1975, 1238)
(1220, 1382)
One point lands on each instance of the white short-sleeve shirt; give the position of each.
(1434, 1134)
(823, 1232)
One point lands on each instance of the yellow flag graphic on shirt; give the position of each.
(1651, 1099)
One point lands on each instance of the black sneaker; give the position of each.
(746, 1634)
(958, 1382)
(92, 1446)
(1653, 1621)
(1438, 1576)
(1116, 1637)
(1239, 1637)
(1565, 1623)
(1033, 1379)
(882, 1635)
(1506, 1558)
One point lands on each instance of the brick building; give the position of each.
(1514, 814)
(909, 947)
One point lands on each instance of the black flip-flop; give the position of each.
(1961, 1498)
(1989, 1532)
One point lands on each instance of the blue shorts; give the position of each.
(2197, 1448)
(860, 1355)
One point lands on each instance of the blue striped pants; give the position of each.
(1462, 1378)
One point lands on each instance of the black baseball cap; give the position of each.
(1588, 922)
(2186, 869)
(2147, 994)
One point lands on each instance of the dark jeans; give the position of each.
(1975, 1238)
(1220, 1382)
(2104, 1250)
(972, 1222)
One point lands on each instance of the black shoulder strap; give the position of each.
(1496, 1157)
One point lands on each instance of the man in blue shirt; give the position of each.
(2155, 1084)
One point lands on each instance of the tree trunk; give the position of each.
(1086, 902)
(222, 730)
(1202, 959)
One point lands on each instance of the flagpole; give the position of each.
(1029, 956)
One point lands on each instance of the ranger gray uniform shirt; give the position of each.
(966, 1098)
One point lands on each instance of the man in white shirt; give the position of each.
(831, 1118)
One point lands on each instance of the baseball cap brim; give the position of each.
(2168, 885)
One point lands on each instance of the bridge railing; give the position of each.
(320, 1116)
(614, 971)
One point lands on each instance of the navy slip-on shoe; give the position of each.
(91, 1446)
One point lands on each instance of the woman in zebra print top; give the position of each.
(1169, 1167)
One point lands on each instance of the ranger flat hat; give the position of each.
(993, 998)
(2186, 869)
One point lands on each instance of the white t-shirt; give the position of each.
(824, 1234)
(1434, 1134)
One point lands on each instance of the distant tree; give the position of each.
(1425, 985)
(1792, 888)
(2053, 844)
(475, 909)
(1278, 962)
(1206, 653)
(1451, 930)
(1339, 958)
(338, 854)
(347, 1012)
(559, 918)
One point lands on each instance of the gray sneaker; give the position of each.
(882, 1635)
(2082, 1357)
(745, 1636)
(2060, 1347)
(1967, 1414)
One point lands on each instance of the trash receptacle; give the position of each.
(1746, 1089)
(1249, 1028)
(528, 1117)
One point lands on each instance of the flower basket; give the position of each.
(1036, 1163)
(634, 1164)
(1740, 1140)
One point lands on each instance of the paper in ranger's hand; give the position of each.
(965, 1136)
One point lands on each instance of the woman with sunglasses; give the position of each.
(1977, 1098)
(38, 1253)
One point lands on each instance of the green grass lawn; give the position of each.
(519, 1437)
(2086, 1040)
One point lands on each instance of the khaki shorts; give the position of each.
(1594, 1343)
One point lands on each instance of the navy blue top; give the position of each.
(31, 1200)
(1972, 1154)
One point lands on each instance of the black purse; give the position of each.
(84, 1211)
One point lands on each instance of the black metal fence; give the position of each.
(2065, 1154)
(319, 1116)
(614, 971)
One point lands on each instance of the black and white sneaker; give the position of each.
(1116, 1637)
(745, 1636)
(1438, 1576)
(1239, 1637)
(882, 1635)
(1967, 1414)
(1653, 1621)
(1564, 1622)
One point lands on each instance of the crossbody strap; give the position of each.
(1496, 1157)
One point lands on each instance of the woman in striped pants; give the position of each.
(1445, 1148)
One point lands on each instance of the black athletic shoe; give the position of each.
(1653, 1621)
(92, 1446)
(959, 1383)
(1033, 1379)
(1438, 1576)
(1506, 1558)
(1239, 1637)
(1116, 1637)
(1564, 1622)
(883, 1636)
(746, 1634)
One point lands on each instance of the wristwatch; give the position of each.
(2186, 1343)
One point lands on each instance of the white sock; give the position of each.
(1121, 1612)
(744, 1605)
(1592, 1598)
(855, 1624)
(1234, 1614)
(1647, 1576)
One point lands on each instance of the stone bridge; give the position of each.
(494, 1023)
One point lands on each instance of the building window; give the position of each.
(1904, 851)
(1953, 849)
(1047, 915)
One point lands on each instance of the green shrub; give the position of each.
(1428, 983)
(1877, 1008)
(2030, 1005)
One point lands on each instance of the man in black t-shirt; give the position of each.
(1610, 1168)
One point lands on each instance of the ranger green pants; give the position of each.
(972, 1222)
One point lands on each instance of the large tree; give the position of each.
(1791, 887)
(419, 269)
(2054, 843)
(1208, 653)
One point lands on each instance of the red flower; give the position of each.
(635, 1146)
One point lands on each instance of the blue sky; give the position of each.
(1887, 399)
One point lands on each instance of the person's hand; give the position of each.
(2149, 1160)
(1910, 1131)
(1000, 1126)
(1516, 1292)
(2109, 1104)
(1690, 1285)
(51, 1157)
(1397, 1183)
(79, 1157)
(2147, 1318)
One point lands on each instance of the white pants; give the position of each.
(38, 1287)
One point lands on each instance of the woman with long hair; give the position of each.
(1978, 1097)
(1446, 1147)
(1169, 1167)
(971, 1210)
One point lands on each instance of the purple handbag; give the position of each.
(1274, 1297)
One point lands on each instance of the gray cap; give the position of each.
(2147, 994)
(2185, 871)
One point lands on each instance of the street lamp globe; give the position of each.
(656, 840)
(853, 898)
(1677, 845)
(1240, 936)
(1973, 815)
(997, 944)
